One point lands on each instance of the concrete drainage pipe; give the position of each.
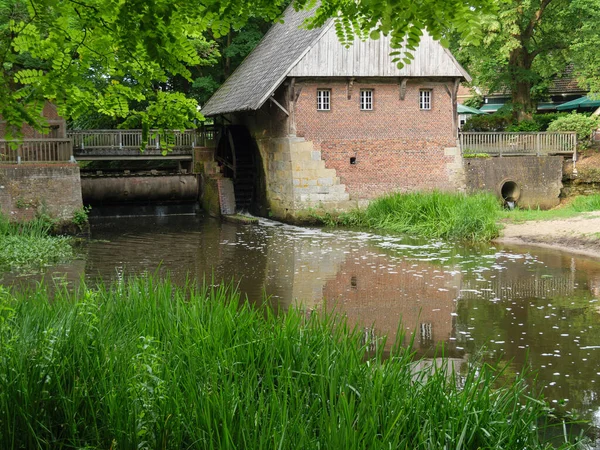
(510, 192)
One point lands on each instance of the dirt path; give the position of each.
(580, 234)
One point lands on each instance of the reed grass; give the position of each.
(435, 214)
(29, 245)
(143, 364)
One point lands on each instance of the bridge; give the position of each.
(114, 145)
(124, 145)
(518, 144)
(107, 145)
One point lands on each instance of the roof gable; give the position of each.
(288, 49)
(265, 68)
(371, 58)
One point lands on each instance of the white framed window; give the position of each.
(425, 99)
(366, 99)
(323, 99)
(426, 334)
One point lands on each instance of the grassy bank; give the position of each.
(432, 215)
(144, 364)
(29, 245)
(583, 203)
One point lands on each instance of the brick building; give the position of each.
(56, 125)
(332, 127)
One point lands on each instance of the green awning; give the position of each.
(583, 102)
(462, 109)
(546, 106)
(491, 107)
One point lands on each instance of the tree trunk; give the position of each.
(519, 66)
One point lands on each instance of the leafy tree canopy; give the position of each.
(527, 43)
(110, 55)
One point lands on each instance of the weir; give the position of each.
(120, 166)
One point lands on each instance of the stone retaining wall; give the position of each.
(27, 190)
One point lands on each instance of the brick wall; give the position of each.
(57, 125)
(396, 146)
(29, 189)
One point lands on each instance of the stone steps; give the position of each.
(313, 182)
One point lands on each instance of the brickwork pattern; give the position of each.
(58, 127)
(410, 292)
(53, 189)
(395, 147)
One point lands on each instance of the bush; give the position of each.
(502, 120)
(488, 122)
(524, 126)
(582, 124)
(80, 216)
(544, 120)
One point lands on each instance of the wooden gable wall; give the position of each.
(371, 58)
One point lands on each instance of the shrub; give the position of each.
(488, 122)
(524, 125)
(80, 216)
(582, 124)
(544, 120)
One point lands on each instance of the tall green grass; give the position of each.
(586, 203)
(144, 364)
(29, 245)
(582, 203)
(434, 215)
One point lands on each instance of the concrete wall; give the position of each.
(30, 189)
(538, 178)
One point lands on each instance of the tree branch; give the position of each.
(537, 17)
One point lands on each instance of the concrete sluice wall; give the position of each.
(119, 189)
(527, 181)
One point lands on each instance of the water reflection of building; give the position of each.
(374, 290)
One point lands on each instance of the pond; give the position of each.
(492, 302)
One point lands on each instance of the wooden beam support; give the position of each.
(349, 88)
(453, 99)
(279, 105)
(403, 88)
(291, 104)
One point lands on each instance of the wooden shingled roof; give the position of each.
(263, 70)
(288, 49)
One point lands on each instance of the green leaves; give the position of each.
(105, 54)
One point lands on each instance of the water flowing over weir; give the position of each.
(497, 302)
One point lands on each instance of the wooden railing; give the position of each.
(120, 140)
(36, 150)
(509, 144)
